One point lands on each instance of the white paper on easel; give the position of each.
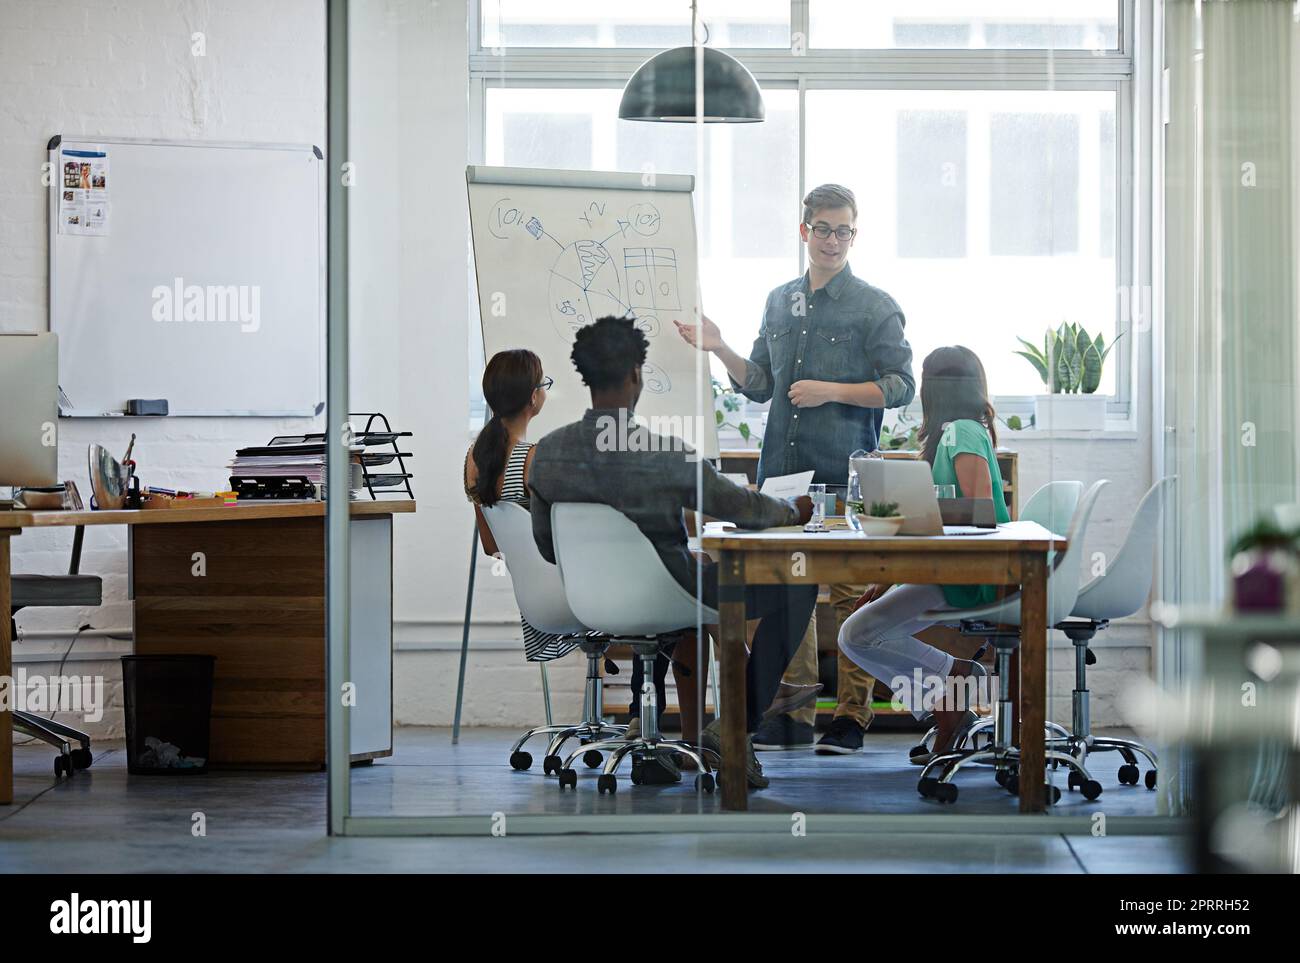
(787, 486)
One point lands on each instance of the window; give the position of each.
(991, 199)
(964, 24)
(747, 213)
(625, 23)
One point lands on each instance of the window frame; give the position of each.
(1115, 71)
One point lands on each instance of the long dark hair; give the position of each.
(953, 386)
(509, 381)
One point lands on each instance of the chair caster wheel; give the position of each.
(552, 765)
(1150, 779)
(62, 766)
(917, 750)
(569, 779)
(1051, 793)
(1091, 788)
(592, 758)
(81, 758)
(945, 792)
(1006, 778)
(704, 781)
(1128, 775)
(927, 786)
(607, 783)
(1074, 780)
(521, 761)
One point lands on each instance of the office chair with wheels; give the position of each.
(616, 583)
(1000, 623)
(1119, 592)
(541, 600)
(71, 590)
(1051, 506)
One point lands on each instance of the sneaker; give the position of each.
(633, 729)
(711, 739)
(655, 767)
(843, 737)
(782, 732)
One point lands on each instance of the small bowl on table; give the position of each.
(880, 527)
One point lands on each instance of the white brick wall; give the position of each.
(126, 69)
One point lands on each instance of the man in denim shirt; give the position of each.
(831, 356)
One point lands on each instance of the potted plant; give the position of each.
(1070, 364)
(726, 404)
(880, 519)
(1265, 569)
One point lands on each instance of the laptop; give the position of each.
(906, 481)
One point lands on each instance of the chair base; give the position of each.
(592, 728)
(650, 741)
(61, 737)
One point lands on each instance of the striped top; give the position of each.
(539, 646)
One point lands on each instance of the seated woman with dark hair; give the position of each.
(959, 439)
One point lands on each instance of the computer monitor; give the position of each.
(29, 409)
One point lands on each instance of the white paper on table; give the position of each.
(787, 486)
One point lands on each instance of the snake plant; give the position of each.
(1070, 360)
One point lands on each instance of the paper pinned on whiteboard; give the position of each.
(84, 205)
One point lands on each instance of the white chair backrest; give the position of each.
(538, 589)
(1123, 588)
(613, 578)
(1053, 505)
(1067, 578)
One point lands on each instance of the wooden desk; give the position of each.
(260, 608)
(1014, 554)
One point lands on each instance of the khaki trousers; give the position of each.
(854, 689)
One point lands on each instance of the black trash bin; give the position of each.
(168, 702)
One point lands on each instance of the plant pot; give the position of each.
(878, 527)
(1070, 412)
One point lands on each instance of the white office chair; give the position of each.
(1118, 592)
(540, 596)
(1000, 623)
(1051, 506)
(616, 583)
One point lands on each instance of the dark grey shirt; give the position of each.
(846, 331)
(647, 477)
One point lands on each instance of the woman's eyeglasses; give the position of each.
(825, 231)
(546, 383)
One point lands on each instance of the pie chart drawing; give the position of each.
(584, 286)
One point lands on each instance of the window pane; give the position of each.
(965, 24)
(1008, 186)
(1034, 184)
(624, 23)
(931, 183)
(747, 204)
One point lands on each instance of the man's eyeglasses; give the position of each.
(546, 383)
(825, 231)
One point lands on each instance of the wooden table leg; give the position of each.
(731, 617)
(1033, 681)
(6, 680)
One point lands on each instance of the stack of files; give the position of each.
(290, 457)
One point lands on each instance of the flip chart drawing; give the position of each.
(555, 250)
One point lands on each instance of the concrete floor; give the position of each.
(102, 820)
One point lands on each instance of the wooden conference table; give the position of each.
(1015, 554)
(261, 605)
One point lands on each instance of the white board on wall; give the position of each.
(205, 285)
(554, 250)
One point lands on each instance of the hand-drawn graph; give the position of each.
(655, 379)
(584, 286)
(651, 278)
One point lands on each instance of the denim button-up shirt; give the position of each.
(847, 332)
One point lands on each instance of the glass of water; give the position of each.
(945, 491)
(818, 495)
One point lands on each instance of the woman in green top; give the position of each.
(958, 438)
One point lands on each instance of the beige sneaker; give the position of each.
(711, 739)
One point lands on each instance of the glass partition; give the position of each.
(633, 355)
